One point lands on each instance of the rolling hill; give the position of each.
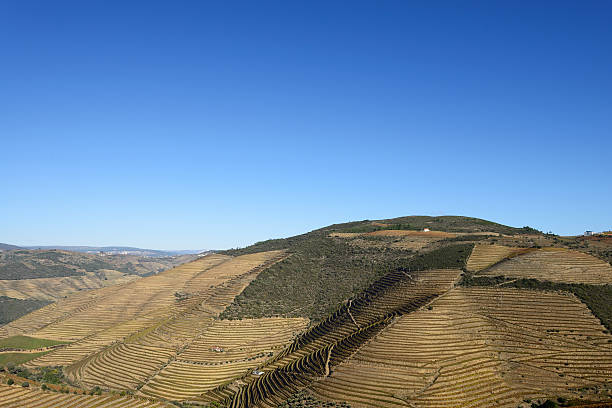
(365, 314)
(118, 250)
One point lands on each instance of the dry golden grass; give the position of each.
(479, 347)
(556, 265)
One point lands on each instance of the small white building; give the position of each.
(588, 233)
(426, 230)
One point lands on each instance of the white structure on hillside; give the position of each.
(426, 230)
(588, 233)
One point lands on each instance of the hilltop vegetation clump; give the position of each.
(450, 223)
(323, 272)
(48, 375)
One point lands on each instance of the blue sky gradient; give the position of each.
(216, 124)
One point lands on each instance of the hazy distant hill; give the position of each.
(52, 263)
(29, 279)
(8, 247)
(118, 250)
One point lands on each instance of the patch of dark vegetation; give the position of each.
(371, 228)
(20, 270)
(446, 257)
(596, 297)
(11, 308)
(304, 399)
(323, 272)
(49, 375)
(564, 402)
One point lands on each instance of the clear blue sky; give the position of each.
(198, 124)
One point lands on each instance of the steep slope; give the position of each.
(330, 342)
(146, 351)
(479, 347)
(122, 337)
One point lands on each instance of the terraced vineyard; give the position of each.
(234, 330)
(225, 350)
(87, 313)
(327, 344)
(120, 338)
(555, 265)
(479, 347)
(141, 346)
(18, 397)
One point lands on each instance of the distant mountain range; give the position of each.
(110, 250)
